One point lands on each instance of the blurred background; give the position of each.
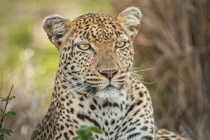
(172, 55)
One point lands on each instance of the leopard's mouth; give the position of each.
(109, 88)
(93, 90)
(98, 86)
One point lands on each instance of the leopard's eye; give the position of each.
(84, 46)
(120, 44)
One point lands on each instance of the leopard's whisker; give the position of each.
(138, 70)
(81, 89)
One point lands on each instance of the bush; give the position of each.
(4, 114)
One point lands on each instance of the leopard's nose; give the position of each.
(108, 73)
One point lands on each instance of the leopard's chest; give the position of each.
(119, 117)
(108, 116)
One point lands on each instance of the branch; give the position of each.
(6, 106)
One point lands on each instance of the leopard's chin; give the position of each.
(108, 92)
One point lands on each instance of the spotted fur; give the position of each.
(94, 86)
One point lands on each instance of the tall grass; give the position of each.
(174, 39)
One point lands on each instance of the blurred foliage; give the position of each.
(97, 6)
(20, 34)
(174, 40)
(27, 61)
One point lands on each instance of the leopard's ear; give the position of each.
(130, 20)
(57, 28)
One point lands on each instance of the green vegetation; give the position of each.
(85, 132)
(97, 6)
(4, 114)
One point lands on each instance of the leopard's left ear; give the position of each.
(130, 20)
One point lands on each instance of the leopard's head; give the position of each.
(96, 51)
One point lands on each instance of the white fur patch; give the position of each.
(112, 94)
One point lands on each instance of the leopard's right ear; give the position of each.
(130, 20)
(57, 28)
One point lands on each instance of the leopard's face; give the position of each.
(99, 56)
(96, 51)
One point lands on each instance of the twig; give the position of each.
(6, 106)
(180, 137)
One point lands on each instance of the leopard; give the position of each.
(94, 85)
